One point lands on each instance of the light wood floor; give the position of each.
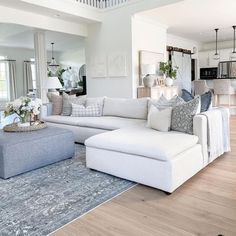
(204, 205)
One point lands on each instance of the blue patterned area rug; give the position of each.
(41, 201)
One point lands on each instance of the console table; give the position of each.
(157, 91)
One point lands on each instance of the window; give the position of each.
(4, 88)
(33, 73)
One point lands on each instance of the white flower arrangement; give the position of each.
(24, 107)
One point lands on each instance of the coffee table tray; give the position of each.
(15, 128)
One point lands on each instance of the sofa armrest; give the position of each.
(200, 130)
(46, 110)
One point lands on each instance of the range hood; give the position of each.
(227, 70)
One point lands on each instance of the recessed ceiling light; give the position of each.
(57, 15)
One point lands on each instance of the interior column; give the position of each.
(40, 63)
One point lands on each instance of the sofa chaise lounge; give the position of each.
(119, 143)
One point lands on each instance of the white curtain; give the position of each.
(27, 77)
(12, 79)
(183, 62)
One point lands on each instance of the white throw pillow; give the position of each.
(82, 111)
(159, 119)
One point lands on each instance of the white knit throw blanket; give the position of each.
(218, 132)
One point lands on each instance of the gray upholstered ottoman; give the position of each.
(25, 151)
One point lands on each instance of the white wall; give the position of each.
(148, 36)
(113, 35)
(73, 58)
(221, 45)
(180, 42)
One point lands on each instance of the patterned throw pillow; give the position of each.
(56, 101)
(97, 100)
(163, 102)
(182, 116)
(68, 100)
(82, 111)
(206, 99)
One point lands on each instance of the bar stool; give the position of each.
(223, 87)
(200, 87)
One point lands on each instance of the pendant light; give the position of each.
(53, 66)
(233, 54)
(216, 55)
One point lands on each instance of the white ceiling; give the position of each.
(25, 6)
(19, 36)
(197, 19)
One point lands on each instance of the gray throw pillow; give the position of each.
(67, 103)
(182, 116)
(163, 102)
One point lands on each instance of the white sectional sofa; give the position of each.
(120, 144)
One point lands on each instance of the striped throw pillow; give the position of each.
(82, 111)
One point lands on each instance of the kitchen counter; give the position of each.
(223, 99)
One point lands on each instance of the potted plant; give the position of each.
(169, 71)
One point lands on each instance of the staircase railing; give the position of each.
(102, 4)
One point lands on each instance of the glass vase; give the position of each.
(24, 121)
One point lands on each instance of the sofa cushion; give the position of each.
(128, 108)
(142, 141)
(103, 122)
(92, 101)
(68, 120)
